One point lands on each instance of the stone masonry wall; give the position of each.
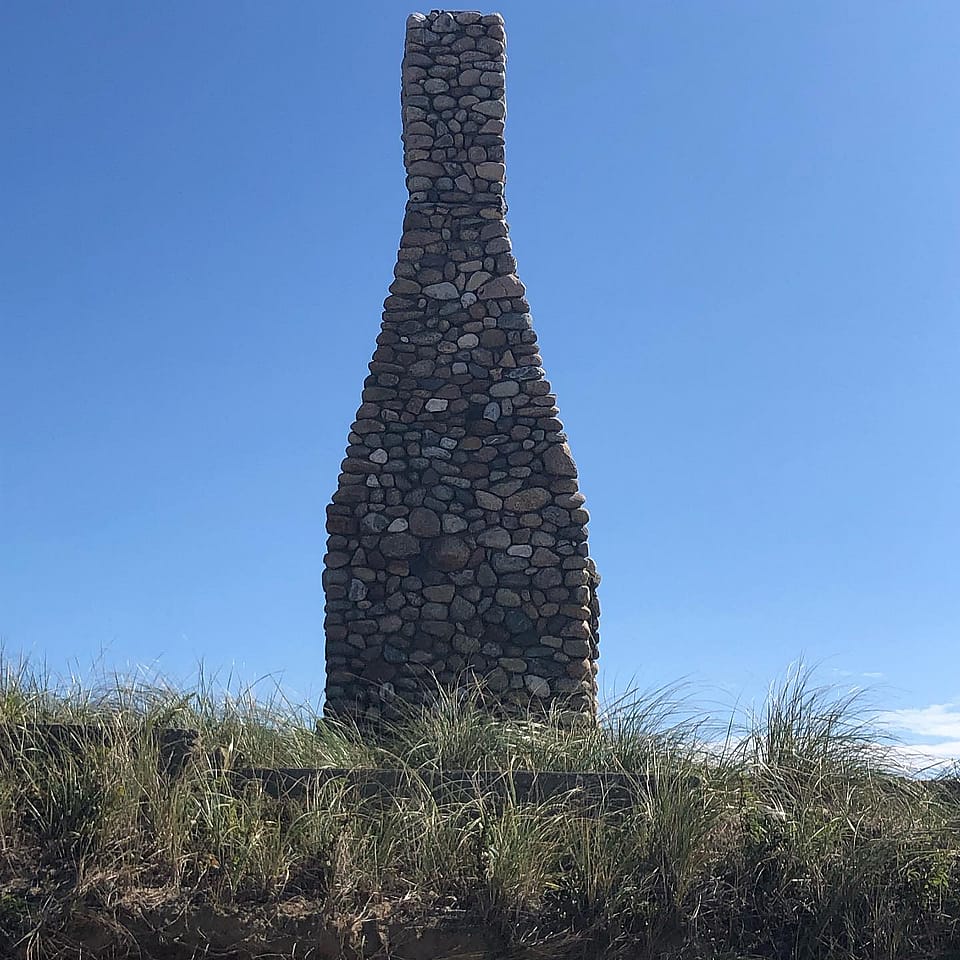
(457, 535)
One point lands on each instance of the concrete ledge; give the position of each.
(591, 790)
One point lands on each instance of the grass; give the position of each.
(787, 835)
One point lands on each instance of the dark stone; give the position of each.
(449, 553)
(424, 522)
(516, 621)
(398, 546)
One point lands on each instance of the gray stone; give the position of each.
(441, 593)
(453, 524)
(462, 609)
(520, 550)
(495, 537)
(358, 590)
(502, 288)
(526, 500)
(491, 108)
(424, 522)
(504, 563)
(504, 388)
(449, 553)
(442, 291)
(542, 557)
(558, 461)
(487, 501)
(491, 170)
(537, 686)
(465, 645)
(574, 647)
(507, 598)
(399, 545)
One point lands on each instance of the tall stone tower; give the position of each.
(457, 535)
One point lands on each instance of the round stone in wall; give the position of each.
(424, 522)
(449, 553)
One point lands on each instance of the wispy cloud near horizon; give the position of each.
(935, 720)
(932, 732)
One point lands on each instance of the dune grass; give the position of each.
(785, 834)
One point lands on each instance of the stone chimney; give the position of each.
(457, 536)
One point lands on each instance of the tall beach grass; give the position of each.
(786, 832)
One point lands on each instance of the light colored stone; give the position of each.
(491, 108)
(379, 456)
(442, 291)
(520, 550)
(468, 341)
(504, 388)
(436, 405)
(491, 170)
(398, 525)
(477, 280)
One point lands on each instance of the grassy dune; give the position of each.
(788, 834)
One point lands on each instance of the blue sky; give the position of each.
(738, 227)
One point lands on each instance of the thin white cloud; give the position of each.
(938, 720)
(871, 675)
(931, 735)
(927, 759)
